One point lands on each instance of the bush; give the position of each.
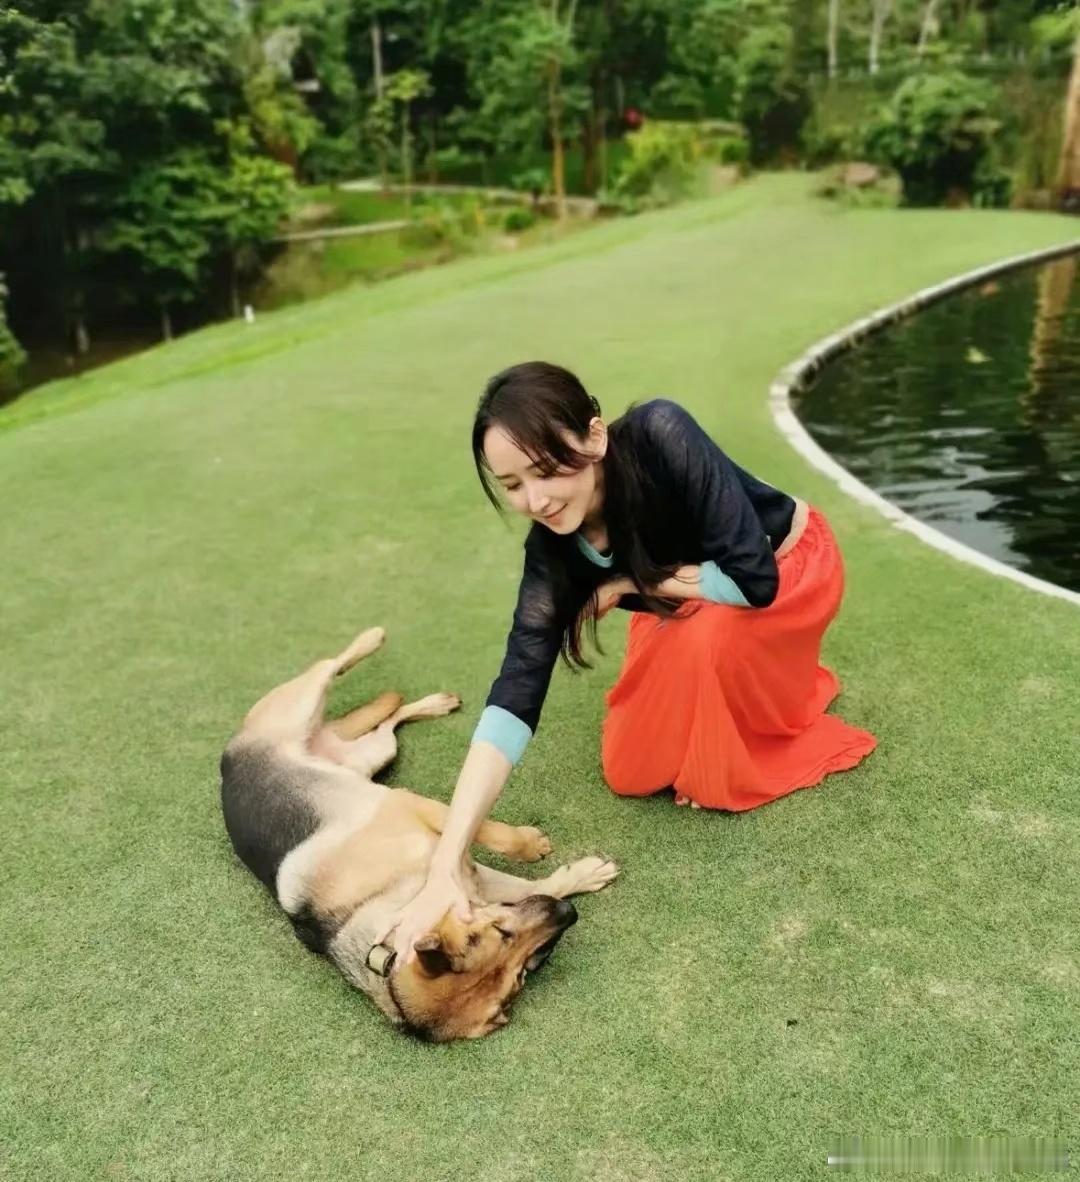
(519, 219)
(332, 158)
(829, 139)
(668, 160)
(730, 149)
(12, 354)
(662, 163)
(939, 134)
(439, 223)
(531, 180)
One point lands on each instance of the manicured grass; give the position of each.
(346, 207)
(893, 951)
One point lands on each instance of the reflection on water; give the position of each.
(967, 416)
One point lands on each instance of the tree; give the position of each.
(405, 87)
(248, 203)
(1068, 177)
(54, 150)
(880, 10)
(160, 228)
(772, 99)
(526, 79)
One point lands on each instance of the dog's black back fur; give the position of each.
(267, 810)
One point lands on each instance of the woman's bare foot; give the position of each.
(684, 800)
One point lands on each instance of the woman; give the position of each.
(732, 584)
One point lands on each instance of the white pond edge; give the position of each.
(795, 377)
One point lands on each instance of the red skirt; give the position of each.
(727, 704)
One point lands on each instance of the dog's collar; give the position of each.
(380, 960)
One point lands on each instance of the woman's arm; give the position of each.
(506, 725)
(482, 778)
(480, 783)
(685, 583)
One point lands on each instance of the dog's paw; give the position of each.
(368, 642)
(589, 874)
(435, 706)
(533, 844)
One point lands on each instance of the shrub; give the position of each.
(938, 132)
(519, 219)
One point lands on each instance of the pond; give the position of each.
(967, 416)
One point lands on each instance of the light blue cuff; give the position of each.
(504, 730)
(591, 552)
(720, 588)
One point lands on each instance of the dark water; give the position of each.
(967, 416)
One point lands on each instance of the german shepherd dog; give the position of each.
(343, 856)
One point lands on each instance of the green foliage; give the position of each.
(1058, 29)
(532, 180)
(177, 214)
(664, 163)
(12, 354)
(111, 110)
(161, 225)
(772, 101)
(518, 220)
(668, 159)
(525, 69)
(703, 40)
(252, 196)
(333, 157)
(836, 126)
(730, 149)
(938, 132)
(441, 224)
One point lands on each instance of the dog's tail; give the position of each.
(366, 718)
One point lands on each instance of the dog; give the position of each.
(343, 855)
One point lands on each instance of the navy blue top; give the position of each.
(711, 512)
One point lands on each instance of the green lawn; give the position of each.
(306, 269)
(894, 951)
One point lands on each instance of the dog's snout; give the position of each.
(561, 912)
(565, 913)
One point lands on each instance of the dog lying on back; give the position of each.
(343, 856)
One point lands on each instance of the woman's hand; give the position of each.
(608, 594)
(442, 892)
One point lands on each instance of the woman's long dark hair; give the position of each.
(534, 403)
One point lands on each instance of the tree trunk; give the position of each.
(1068, 177)
(376, 57)
(234, 285)
(882, 8)
(558, 164)
(558, 157)
(433, 147)
(406, 163)
(834, 36)
(82, 337)
(929, 26)
(166, 323)
(558, 167)
(592, 133)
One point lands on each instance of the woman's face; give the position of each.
(560, 500)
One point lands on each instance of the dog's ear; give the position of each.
(431, 955)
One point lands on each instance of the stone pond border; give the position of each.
(794, 378)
